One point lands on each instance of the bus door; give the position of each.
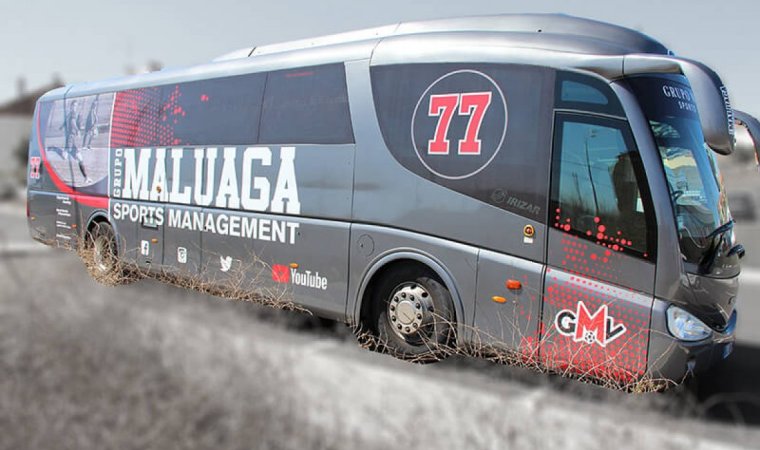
(600, 251)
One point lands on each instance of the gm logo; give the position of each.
(459, 124)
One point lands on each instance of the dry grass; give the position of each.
(604, 373)
(250, 282)
(246, 282)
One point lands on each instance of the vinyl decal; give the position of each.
(75, 140)
(582, 326)
(449, 121)
(305, 278)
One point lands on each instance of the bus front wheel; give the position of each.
(414, 315)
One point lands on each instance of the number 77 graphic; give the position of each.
(473, 104)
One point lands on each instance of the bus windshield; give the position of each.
(696, 187)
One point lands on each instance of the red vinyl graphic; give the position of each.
(447, 122)
(591, 327)
(144, 117)
(472, 104)
(280, 273)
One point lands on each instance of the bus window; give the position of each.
(585, 93)
(510, 171)
(306, 106)
(220, 111)
(599, 192)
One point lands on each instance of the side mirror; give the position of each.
(747, 136)
(711, 97)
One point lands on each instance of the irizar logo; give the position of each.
(582, 326)
(729, 109)
(226, 263)
(291, 275)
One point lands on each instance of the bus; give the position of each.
(539, 185)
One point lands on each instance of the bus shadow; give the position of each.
(730, 392)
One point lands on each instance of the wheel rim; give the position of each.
(410, 311)
(102, 253)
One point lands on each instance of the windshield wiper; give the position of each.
(721, 230)
(705, 265)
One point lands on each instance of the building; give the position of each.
(15, 125)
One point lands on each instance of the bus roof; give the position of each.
(545, 39)
(577, 34)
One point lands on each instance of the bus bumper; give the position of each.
(673, 359)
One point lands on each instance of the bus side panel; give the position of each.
(286, 259)
(508, 308)
(51, 218)
(295, 181)
(182, 247)
(484, 194)
(497, 205)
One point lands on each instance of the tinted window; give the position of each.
(217, 111)
(598, 189)
(221, 111)
(480, 129)
(306, 106)
(135, 118)
(586, 93)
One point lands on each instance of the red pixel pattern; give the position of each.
(145, 117)
(582, 264)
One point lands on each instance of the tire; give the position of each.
(414, 315)
(101, 257)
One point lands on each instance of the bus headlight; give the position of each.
(685, 326)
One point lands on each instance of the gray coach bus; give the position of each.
(539, 184)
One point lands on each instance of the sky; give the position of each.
(93, 39)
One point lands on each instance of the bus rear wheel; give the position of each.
(101, 258)
(414, 315)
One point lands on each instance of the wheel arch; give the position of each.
(95, 218)
(100, 216)
(398, 257)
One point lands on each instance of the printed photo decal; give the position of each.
(77, 135)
